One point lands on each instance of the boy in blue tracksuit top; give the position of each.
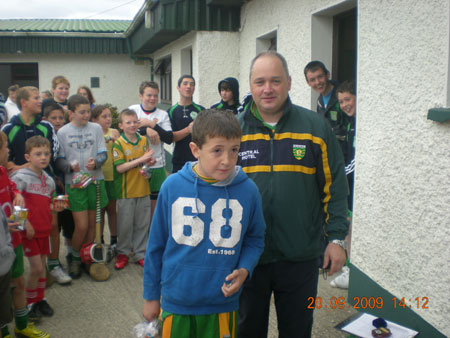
(206, 235)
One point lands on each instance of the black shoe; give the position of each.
(44, 308)
(34, 314)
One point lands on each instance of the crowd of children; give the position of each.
(47, 145)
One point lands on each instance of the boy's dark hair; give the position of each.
(35, 142)
(185, 77)
(126, 112)
(52, 107)
(147, 84)
(24, 93)
(212, 123)
(225, 85)
(13, 88)
(97, 111)
(59, 79)
(76, 100)
(313, 66)
(270, 53)
(3, 139)
(89, 93)
(347, 87)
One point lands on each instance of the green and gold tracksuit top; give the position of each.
(299, 169)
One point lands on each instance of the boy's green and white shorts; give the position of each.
(217, 325)
(157, 179)
(86, 198)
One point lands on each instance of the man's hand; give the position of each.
(19, 201)
(151, 309)
(336, 254)
(90, 164)
(153, 136)
(235, 281)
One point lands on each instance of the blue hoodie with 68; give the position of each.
(200, 233)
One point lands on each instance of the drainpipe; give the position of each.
(140, 58)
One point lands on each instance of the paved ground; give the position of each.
(110, 309)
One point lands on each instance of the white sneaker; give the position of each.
(60, 276)
(341, 281)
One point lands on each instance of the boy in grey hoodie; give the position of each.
(6, 259)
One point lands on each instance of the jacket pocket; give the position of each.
(194, 285)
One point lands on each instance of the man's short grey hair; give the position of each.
(270, 53)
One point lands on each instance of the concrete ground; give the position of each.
(90, 309)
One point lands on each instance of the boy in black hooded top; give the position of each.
(229, 92)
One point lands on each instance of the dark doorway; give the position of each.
(22, 74)
(344, 45)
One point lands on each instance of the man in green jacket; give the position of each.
(294, 158)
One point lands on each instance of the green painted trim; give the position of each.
(439, 114)
(362, 285)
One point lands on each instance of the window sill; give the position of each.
(439, 114)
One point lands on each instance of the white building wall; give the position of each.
(119, 75)
(402, 191)
(215, 55)
(292, 21)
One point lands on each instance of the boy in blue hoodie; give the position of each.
(206, 236)
(229, 94)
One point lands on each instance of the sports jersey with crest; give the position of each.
(130, 183)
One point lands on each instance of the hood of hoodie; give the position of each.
(236, 177)
(234, 85)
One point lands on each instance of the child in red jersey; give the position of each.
(10, 197)
(37, 188)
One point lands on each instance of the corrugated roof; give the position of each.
(64, 25)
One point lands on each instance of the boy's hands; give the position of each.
(147, 158)
(147, 123)
(11, 167)
(235, 279)
(75, 165)
(29, 230)
(57, 206)
(12, 226)
(153, 136)
(19, 201)
(90, 164)
(151, 309)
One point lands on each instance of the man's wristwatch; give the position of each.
(340, 242)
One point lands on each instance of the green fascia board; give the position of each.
(63, 25)
(62, 45)
(174, 18)
(225, 2)
(361, 286)
(439, 114)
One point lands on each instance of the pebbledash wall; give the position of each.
(401, 232)
(401, 225)
(119, 75)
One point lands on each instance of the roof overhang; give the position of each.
(160, 22)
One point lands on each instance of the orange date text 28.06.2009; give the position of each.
(365, 303)
(341, 303)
